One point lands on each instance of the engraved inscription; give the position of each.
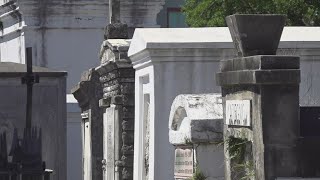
(238, 112)
(183, 165)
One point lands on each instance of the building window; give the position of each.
(175, 18)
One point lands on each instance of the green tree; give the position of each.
(201, 13)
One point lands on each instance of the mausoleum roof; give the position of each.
(16, 69)
(211, 37)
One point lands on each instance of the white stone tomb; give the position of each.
(168, 62)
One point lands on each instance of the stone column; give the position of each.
(117, 77)
(261, 101)
(88, 92)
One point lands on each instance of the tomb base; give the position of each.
(261, 116)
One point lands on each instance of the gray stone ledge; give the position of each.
(110, 66)
(262, 62)
(262, 77)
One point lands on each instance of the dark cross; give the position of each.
(30, 78)
(114, 11)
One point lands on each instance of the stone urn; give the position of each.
(256, 34)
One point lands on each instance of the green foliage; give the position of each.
(187, 141)
(201, 13)
(237, 148)
(198, 175)
(248, 167)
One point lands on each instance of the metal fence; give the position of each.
(10, 175)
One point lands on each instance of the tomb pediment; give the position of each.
(113, 50)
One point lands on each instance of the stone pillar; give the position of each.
(260, 100)
(88, 92)
(117, 77)
(196, 131)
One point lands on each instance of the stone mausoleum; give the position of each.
(48, 117)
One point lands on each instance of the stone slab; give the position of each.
(184, 163)
(262, 77)
(109, 138)
(261, 62)
(213, 37)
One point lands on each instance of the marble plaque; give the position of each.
(183, 164)
(238, 112)
(110, 145)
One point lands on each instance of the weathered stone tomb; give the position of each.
(88, 93)
(106, 96)
(261, 102)
(117, 78)
(196, 131)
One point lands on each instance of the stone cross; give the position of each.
(114, 11)
(29, 79)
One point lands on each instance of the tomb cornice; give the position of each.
(214, 38)
(259, 70)
(150, 57)
(111, 65)
(258, 77)
(114, 50)
(87, 90)
(80, 92)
